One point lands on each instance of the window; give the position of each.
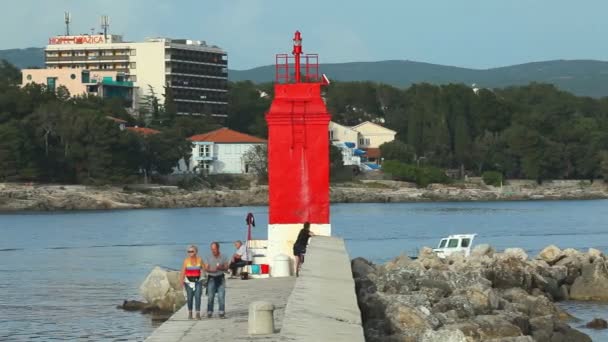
(73, 76)
(465, 243)
(442, 243)
(132, 65)
(361, 141)
(29, 77)
(205, 151)
(453, 243)
(367, 142)
(331, 134)
(133, 52)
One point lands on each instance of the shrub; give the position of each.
(493, 178)
(422, 176)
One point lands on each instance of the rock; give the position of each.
(593, 282)
(551, 254)
(466, 302)
(547, 285)
(400, 261)
(407, 319)
(517, 253)
(597, 323)
(398, 281)
(361, 267)
(573, 265)
(492, 326)
(594, 253)
(510, 271)
(132, 305)
(512, 339)
(162, 288)
(564, 292)
(426, 252)
(571, 252)
(483, 250)
(559, 273)
(443, 335)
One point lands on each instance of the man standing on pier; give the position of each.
(216, 265)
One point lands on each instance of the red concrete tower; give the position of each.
(298, 150)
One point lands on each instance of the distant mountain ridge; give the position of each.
(581, 77)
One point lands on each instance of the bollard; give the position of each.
(261, 318)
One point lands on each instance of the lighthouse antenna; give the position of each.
(297, 51)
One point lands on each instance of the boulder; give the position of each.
(426, 252)
(407, 319)
(594, 253)
(443, 335)
(483, 250)
(398, 262)
(571, 252)
(361, 267)
(593, 282)
(517, 253)
(559, 273)
(551, 254)
(512, 339)
(492, 326)
(510, 271)
(162, 288)
(597, 323)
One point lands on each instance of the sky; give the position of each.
(467, 33)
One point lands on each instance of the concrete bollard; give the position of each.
(261, 318)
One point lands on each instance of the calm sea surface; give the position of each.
(62, 274)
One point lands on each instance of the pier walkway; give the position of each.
(239, 293)
(321, 306)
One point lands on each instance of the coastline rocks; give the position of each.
(485, 297)
(593, 282)
(162, 289)
(48, 197)
(597, 323)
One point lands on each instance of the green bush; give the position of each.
(492, 178)
(422, 176)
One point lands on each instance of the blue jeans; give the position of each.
(194, 295)
(216, 285)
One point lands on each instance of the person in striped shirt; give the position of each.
(191, 273)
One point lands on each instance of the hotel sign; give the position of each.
(70, 40)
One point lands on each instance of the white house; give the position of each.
(372, 135)
(366, 136)
(222, 151)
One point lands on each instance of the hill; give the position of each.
(580, 77)
(24, 58)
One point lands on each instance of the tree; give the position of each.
(336, 159)
(256, 160)
(397, 150)
(603, 156)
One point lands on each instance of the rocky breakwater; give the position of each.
(485, 297)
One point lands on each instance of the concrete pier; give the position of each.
(239, 293)
(321, 306)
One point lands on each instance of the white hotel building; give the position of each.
(195, 72)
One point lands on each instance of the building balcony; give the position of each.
(93, 59)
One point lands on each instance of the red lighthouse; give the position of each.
(298, 150)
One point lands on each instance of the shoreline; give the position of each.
(45, 197)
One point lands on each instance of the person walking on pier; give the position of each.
(299, 247)
(216, 265)
(191, 274)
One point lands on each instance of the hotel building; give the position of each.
(195, 73)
